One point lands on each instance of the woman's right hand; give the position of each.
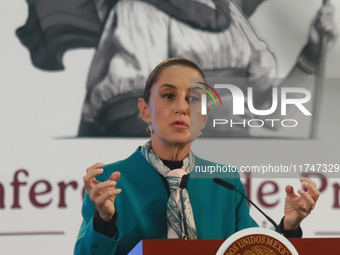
(102, 194)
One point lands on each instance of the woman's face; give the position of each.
(174, 108)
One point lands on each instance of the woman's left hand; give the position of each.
(299, 207)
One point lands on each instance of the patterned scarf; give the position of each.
(174, 206)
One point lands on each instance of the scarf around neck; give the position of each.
(175, 215)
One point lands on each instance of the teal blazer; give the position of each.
(141, 208)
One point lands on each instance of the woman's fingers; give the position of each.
(290, 191)
(308, 199)
(94, 166)
(308, 180)
(102, 194)
(308, 202)
(294, 204)
(89, 179)
(108, 194)
(115, 176)
(91, 172)
(100, 188)
(311, 188)
(299, 207)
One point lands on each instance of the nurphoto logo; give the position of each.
(301, 96)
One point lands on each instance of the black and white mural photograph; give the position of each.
(131, 37)
(73, 72)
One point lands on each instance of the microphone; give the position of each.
(232, 187)
(183, 185)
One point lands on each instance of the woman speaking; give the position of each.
(144, 196)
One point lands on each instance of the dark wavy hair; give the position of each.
(154, 75)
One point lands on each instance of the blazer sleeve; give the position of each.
(90, 241)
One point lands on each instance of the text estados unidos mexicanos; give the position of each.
(268, 168)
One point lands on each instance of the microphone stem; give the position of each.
(269, 219)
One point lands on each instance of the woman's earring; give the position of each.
(149, 128)
(200, 135)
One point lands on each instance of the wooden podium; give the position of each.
(304, 246)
